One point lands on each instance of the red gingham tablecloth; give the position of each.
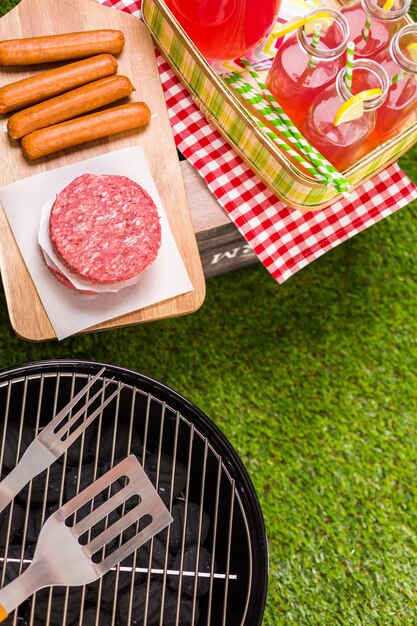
(285, 240)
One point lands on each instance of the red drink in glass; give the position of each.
(225, 29)
(340, 144)
(293, 80)
(402, 95)
(383, 24)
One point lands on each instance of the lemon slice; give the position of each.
(352, 109)
(324, 18)
(388, 5)
(412, 49)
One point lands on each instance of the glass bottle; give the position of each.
(225, 29)
(402, 95)
(301, 70)
(382, 24)
(342, 144)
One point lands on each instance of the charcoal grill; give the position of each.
(209, 568)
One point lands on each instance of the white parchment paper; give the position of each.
(70, 312)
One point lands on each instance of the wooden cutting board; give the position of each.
(137, 61)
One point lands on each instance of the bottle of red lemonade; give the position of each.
(371, 26)
(400, 63)
(340, 144)
(225, 29)
(301, 70)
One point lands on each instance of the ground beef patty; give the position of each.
(105, 228)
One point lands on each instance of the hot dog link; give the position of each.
(62, 47)
(53, 82)
(87, 128)
(68, 105)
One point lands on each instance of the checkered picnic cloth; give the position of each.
(285, 240)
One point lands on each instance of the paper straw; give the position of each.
(247, 91)
(350, 56)
(286, 127)
(312, 63)
(304, 146)
(284, 146)
(366, 29)
(257, 101)
(321, 165)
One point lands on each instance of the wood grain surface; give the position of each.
(137, 61)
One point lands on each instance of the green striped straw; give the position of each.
(312, 63)
(366, 29)
(282, 144)
(320, 169)
(257, 101)
(304, 146)
(350, 56)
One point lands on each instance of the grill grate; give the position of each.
(211, 528)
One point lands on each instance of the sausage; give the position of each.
(53, 82)
(63, 47)
(68, 105)
(86, 128)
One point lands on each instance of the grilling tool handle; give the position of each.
(21, 588)
(35, 460)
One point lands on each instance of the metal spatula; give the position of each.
(52, 442)
(61, 559)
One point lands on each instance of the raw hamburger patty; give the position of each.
(105, 228)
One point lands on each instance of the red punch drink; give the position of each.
(371, 26)
(301, 69)
(225, 29)
(340, 143)
(402, 95)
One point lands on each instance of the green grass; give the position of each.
(6, 5)
(314, 384)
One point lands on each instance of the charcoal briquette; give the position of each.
(13, 568)
(120, 442)
(86, 479)
(39, 486)
(35, 521)
(192, 526)
(13, 563)
(89, 617)
(34, 524)
(85, 476)
(165, 475)
(12, 443)
(143, 555)
(112, 583)
(190, 565)
(86, 440)
(154, 606)
(186, 615)
(111, 586)
(16, 523)
(23, 617)
(59, 599)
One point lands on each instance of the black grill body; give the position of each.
(210, 568)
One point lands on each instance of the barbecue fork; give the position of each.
(61, 559)
(51, 442)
